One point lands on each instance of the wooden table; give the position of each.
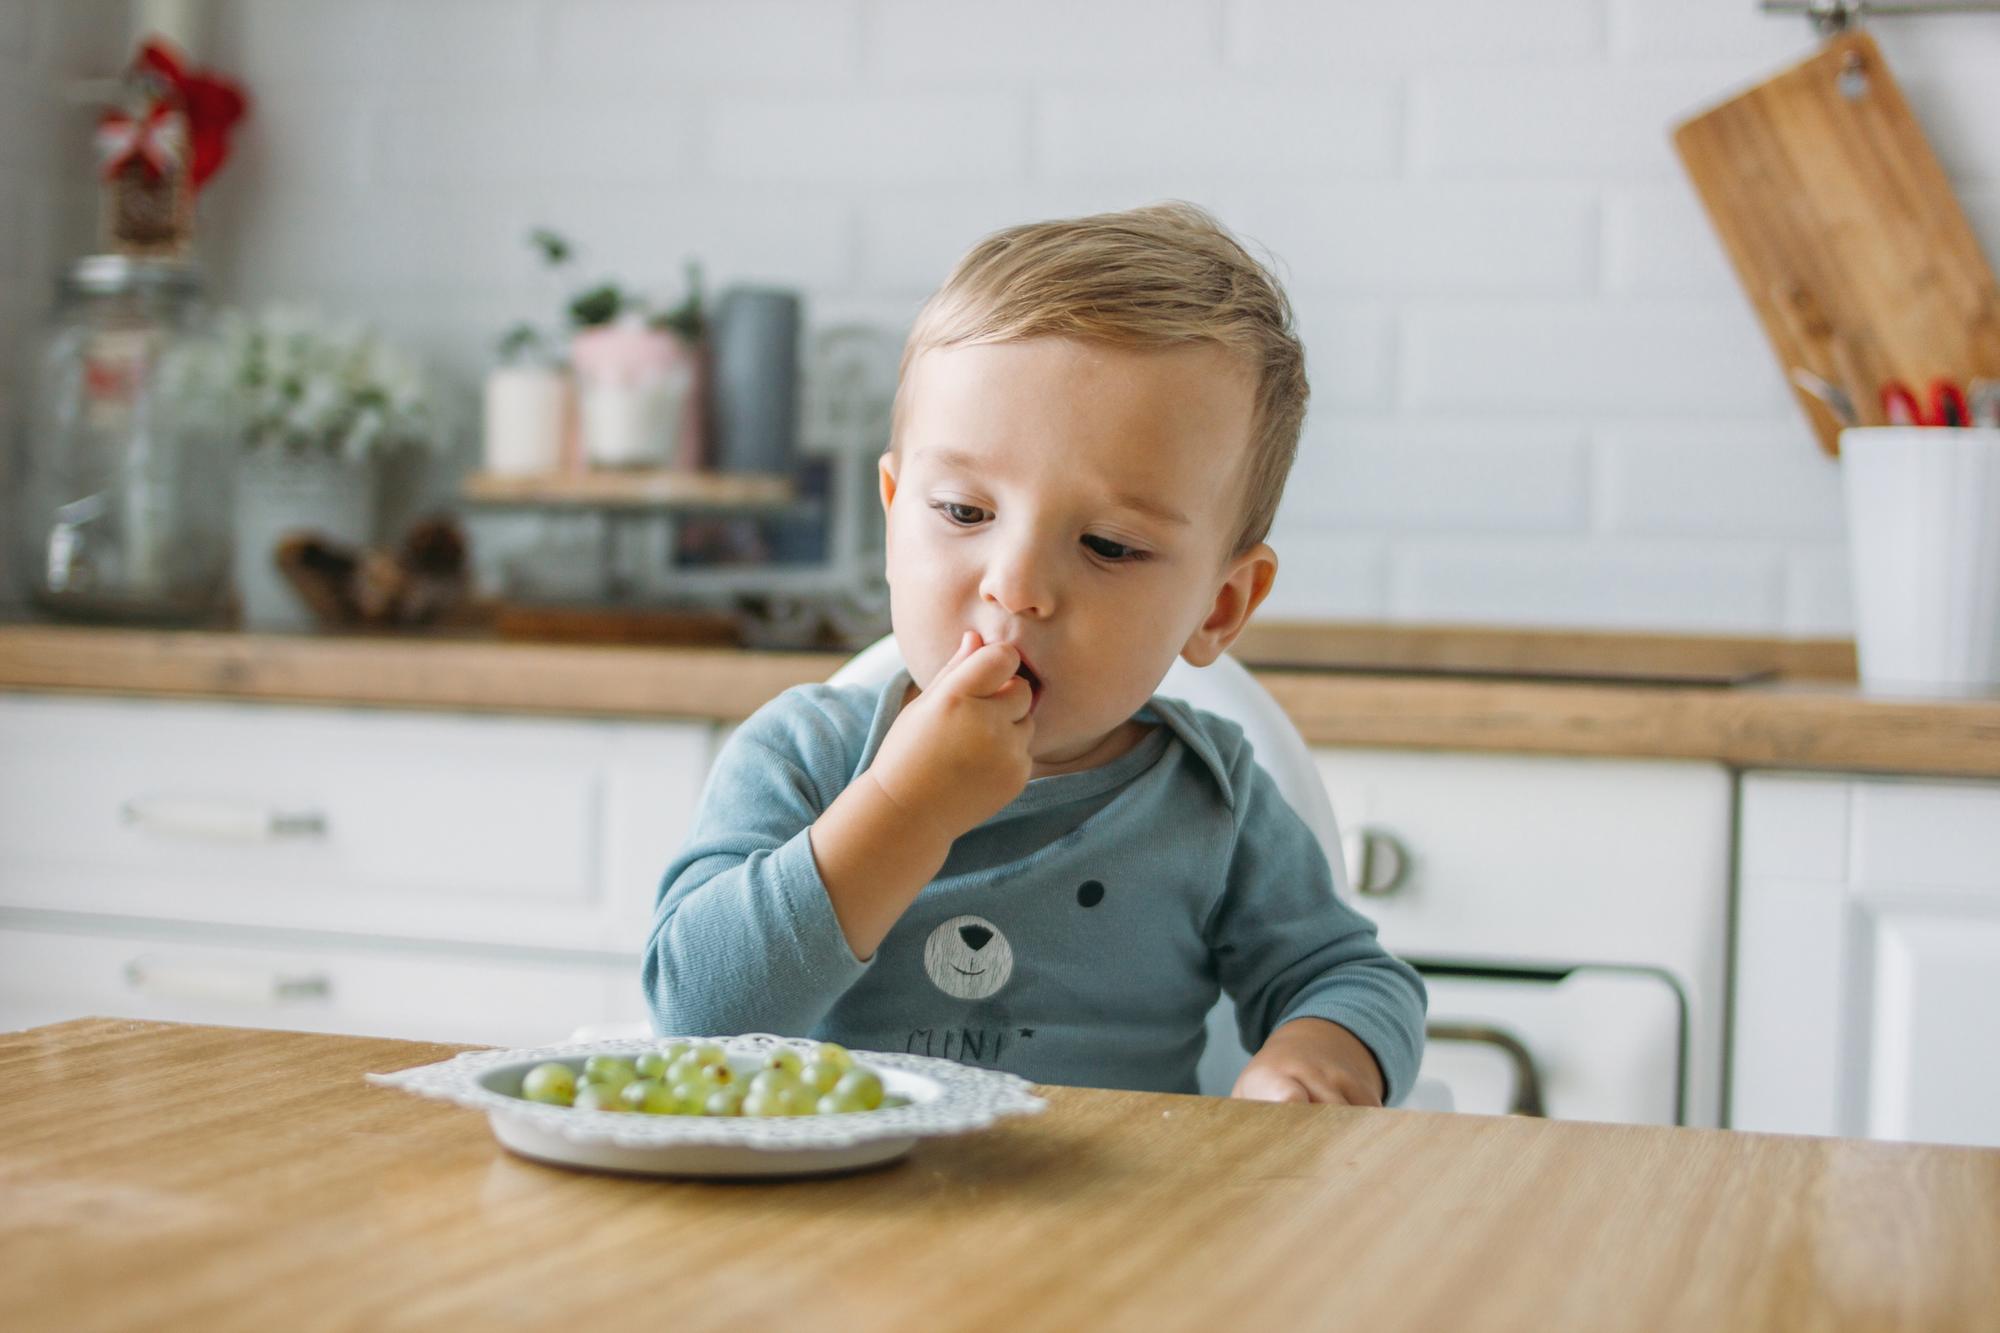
(157, 1175)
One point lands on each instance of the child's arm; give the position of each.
(1330, 1014)
(955, 757)
(747, 935)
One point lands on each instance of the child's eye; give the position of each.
(1106, 549)
(963, 515)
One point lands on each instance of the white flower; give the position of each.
(291, 375)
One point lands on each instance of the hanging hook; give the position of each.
(1834, 16)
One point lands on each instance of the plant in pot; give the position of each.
(637, 377)
(319, 405)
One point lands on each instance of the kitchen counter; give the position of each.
(167, 1176)
(1748, 703)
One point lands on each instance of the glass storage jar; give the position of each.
(125, 492)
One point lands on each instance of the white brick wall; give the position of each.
(1538, 394)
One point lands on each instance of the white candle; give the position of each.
(527, 412)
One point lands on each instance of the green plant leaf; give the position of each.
(555, 250)
(599, 305)
(519, 339)
(687, 318)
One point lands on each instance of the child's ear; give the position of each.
(1245, 584)
(886, 467)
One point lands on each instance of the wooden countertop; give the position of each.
(157, 1175)
(1393, 686)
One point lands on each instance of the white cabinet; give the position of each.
(180, 855)
(75, 967)
(1571, 917)
(491, 878)
(1868, 958)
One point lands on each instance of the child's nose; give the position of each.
(1018, 582)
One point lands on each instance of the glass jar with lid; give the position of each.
(126, 511)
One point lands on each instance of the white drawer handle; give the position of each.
(211, 981)
(221, 821)
(1376, 861)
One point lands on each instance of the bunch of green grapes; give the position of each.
(681, 1078)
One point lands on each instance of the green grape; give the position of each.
(891, 1100)
(684, 1101)
(598, 1097)
(722, 1076)
(723, 1101)
(760, 1104)
(831, 1053)
(769, 1081)
(861, 1085)
(686, 1073)
(838, 1104)
(674, 1050)
(708, 1054)
(784, 1058)
(820, 1076)
(613, 1069)
(552, 1083)
(795, 1099)
(646, 1094)
(653, 1064)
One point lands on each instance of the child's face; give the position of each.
(1077, 501)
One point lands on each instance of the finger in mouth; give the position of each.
(1035, 686)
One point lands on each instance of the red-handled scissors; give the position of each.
(1947, 408)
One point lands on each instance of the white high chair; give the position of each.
(1227, 689)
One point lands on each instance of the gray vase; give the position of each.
(280, 492)
(755, 370)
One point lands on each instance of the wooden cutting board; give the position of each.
(1844, 231)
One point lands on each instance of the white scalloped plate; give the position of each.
(946, 1098)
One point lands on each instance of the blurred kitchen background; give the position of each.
(1540, 396)
(574, 323)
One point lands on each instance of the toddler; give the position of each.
(1015, 854)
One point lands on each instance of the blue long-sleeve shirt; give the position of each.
(1079, 936)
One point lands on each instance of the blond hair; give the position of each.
(1161, 276)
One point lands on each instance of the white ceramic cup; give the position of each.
(632, 388)
(632, 425)
(1923, 532)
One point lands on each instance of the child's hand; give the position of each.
(959, 753)
(1312, 1060)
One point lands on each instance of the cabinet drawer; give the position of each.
(49, 975)
(1525, 859)
(292, 816)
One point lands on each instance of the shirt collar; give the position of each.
(1180, 719)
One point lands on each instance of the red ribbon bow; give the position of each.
(190, 108)
(155, 139)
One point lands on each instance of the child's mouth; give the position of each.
(1035, 686)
